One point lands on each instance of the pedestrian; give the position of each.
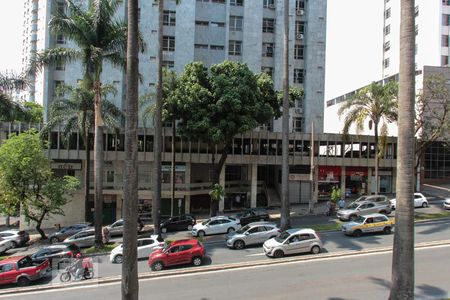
(341, 203)
(141, 224)
(105, 235)
(328, 207)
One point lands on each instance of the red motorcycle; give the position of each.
(71, 271)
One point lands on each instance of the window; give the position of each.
(234, 47)
(267, 49)
(61, 8)
(58, 84)
(217, 24)
(416, 11)
(445, 20)
(445, 2)
(235, 23)
(299, 27)
(236, 2)
(444, 60)
(298, 76)
(387, 29)
(169, 18)
(168, 43)
(416, 29)
(298, 124)
(253, 230)
(298, 51)
(201, 46)
(168, 64)
(268, 71)
(387, 13)
(299, 5)
(110, 176)
(269, 4)
(60, 39)
(216, 47)
(387, 46)
(60, 66)
(218, 1)
(386, 63)
(174, 249)
(139, 14)
(444, 40)
(6, 268)
(202, 23)
(268, 25)
(185, 247)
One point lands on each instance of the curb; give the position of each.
(207, 269)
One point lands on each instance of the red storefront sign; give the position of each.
(329, 173)
(356, 173)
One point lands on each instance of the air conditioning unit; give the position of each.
(300, 36)
(300, 12)
(272, 6)
(298, 110)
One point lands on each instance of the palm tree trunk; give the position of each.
(130, 284)
(158, 128)
(87, 170)
(285, 210)
(403, 252)
(98, 168)
(377, 162)
(173, 162)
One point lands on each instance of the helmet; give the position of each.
(78, 255)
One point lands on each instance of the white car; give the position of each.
(447, 204)
(419, 201)
(5, 245)
(216, 225)
(145, 247)
(293, 241)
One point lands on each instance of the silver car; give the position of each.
(252, 234)
(16, 237)
(293, 241)
(362, 208)
(380, 199)
(85, 238)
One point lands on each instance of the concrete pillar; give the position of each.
(254, 184)
(187, 181)
(343, 182)
(222, 183)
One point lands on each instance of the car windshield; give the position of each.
(353, 206)
(362, 198)
(206, 222)
(360, 219)
(284, 235)
(243, 229)
(166, 247)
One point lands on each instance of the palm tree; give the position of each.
(403, 252)
(10, 110)
(130, 284)
(378, 103)
(76, 113)
(285, 210)
(99, 37)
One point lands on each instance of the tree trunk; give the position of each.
(285, 209)
(377, 161)
(98, 168)
(7, 221)
(173, 171)
(158, 128)
(130, 283)
(38, 225)
(403, 251)
(87, 170)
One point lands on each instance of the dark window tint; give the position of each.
(6, 268)
(174, 249)
(185, 247)
(145, 242)
(253, 230)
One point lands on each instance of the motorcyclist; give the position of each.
(78, 266)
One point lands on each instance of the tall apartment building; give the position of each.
(210, 31)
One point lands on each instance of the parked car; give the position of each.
(17, 237)
(419, 201)
(253, 215)
(252, 234)
(22, 270)
(362, 208)
(85, 238)
(446, 204)
(183, 222)
(216, 225)
(65, 232)
(177, 253)
(144, 248)
(368, 223)
(293, 241)
(5, 245)
(116, 228)
(380, 199)
(56, 253)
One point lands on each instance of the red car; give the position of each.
(177, 253)
(22, 270)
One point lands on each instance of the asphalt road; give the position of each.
(355, 277)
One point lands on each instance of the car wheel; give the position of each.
(157, 266)
(424, 204)
(54, 240)
(118, 259)
(353, 217)
(357, 233)
(189, 227)
(197, 261)
(387, 230)
(23, 281)
(278, 254)
(230, 230)
(239, 244)
(164, 230)
(201, 233)
(315, 250)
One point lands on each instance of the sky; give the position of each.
(354, 32)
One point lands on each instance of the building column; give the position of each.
(187, 181)
(254, 185)
(343, 171)
(222, 183)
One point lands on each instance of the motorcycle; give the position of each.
(70, 271)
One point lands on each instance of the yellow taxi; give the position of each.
(369, 223)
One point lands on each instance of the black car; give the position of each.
(57, 254)
(65, 232)
(253, 215)
(183, 222)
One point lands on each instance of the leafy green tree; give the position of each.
(73, 109)
(214, 108)
(34, 112)
(26, 179)
(378, 103)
